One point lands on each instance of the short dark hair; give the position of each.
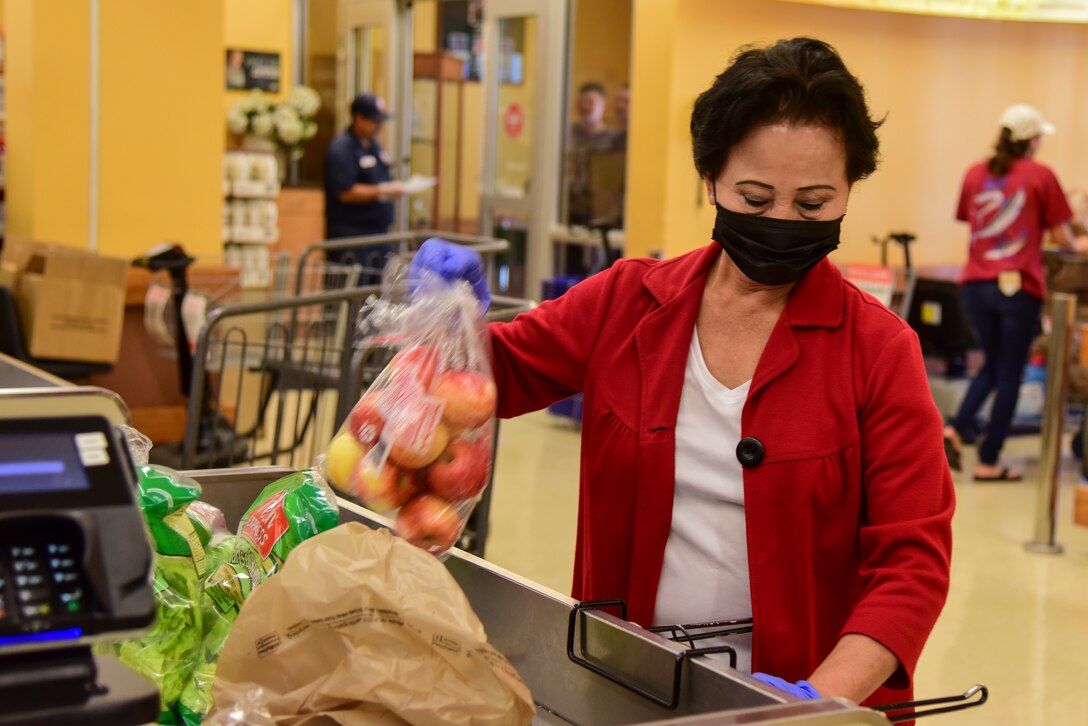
(797, 81)
(1005, 151)
(593, 86)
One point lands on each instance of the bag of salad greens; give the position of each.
(180, 528)
(287, 512)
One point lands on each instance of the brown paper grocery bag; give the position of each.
(361, 627)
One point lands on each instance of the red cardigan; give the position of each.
(848, 514)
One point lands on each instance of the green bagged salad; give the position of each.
(203, 575)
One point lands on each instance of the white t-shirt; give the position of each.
(705, 573)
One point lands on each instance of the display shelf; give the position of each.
(251, 188)
(248, 189)
(252, 235)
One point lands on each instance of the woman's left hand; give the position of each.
(800, 689)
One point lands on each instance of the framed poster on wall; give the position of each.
(246, 69)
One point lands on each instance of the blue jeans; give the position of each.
(1006, 327)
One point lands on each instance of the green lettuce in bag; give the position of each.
(171, 650)
(287, 512)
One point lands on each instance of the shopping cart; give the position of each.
(403, 244)
(177, 312)
(274, 379)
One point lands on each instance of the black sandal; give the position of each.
(952, 454)
(1004, 475)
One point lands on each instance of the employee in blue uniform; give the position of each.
(359, 188)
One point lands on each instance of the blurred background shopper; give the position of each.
(758, 436)
(1009, 201)
(588, 134)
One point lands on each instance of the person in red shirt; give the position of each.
(1010, 201)
(758, 435)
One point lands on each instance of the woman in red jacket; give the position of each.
(758, 435)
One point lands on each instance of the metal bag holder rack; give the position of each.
(725, 628)
(578, 656)
(961, 702)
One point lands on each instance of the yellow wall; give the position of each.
(472, 150)
(47, 101)
(160, 124)
(941, 81)
(160, 149)
(321, 27)
(653, 144)
(261, 25)
(425, 26)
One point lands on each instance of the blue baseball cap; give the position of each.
(369, 106)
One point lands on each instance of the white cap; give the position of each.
(1025, 122)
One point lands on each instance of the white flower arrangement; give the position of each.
(289, 122)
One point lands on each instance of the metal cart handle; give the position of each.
(962, 702)
(674, 698)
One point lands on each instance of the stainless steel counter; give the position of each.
(17, 374)
(529, 624)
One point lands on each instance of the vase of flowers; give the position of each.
(279, 126)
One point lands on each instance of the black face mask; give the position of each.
(774, 251)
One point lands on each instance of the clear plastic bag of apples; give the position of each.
(417, 446)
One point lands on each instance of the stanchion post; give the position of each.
(1062, 313)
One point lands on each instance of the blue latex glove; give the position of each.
(800, 689)
(451, 262)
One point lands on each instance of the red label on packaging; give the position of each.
(411, 415)
(266, 524)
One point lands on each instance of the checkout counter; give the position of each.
(75, 565)
(582, 664)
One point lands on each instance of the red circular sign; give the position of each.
(513, 120)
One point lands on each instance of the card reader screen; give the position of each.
(40, 462)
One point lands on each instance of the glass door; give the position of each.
(525, 43)
(375, 56)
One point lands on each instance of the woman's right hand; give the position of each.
(451, 262)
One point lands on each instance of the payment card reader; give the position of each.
(75, 569)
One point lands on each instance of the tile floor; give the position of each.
(1016, 621)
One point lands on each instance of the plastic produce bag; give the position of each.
(139, 446)
(418, 444)
(180, 529)
(203, 574)
(362, 628)
(288, 511)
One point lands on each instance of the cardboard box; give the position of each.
(1080, 505)
(71, 303)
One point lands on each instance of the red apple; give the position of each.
(429, 522)
(409, 456)
(341, 458)
(461, 471)
(469, 398)
(366, 421)
(383, 490)
(421, 360)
